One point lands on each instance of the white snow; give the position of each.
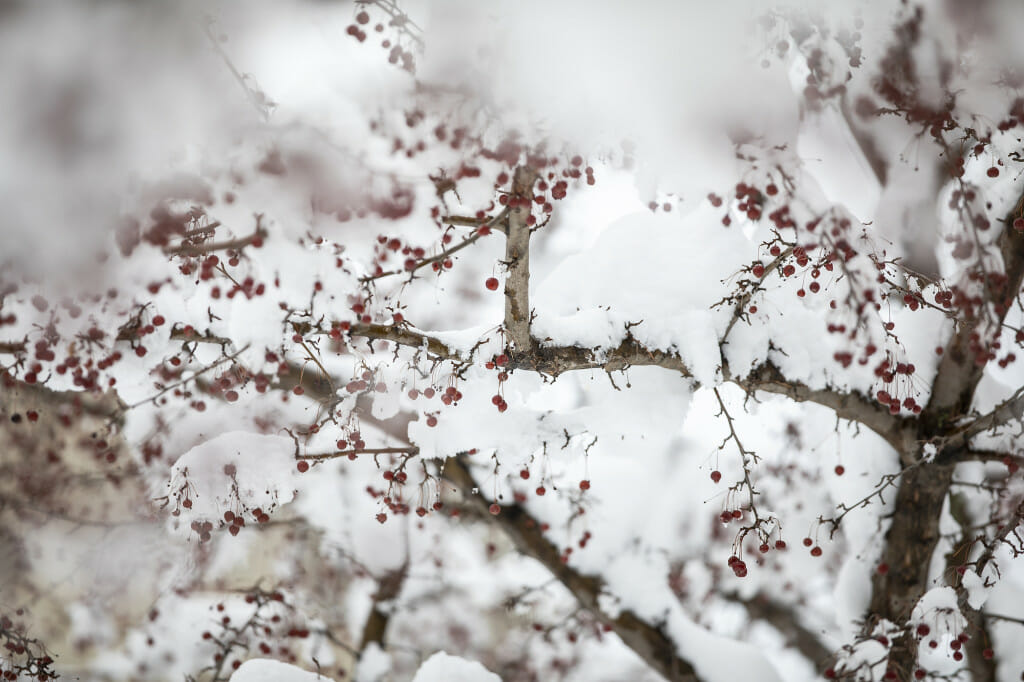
(443, 667)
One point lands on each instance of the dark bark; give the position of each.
(651, 643)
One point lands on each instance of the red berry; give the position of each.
(993, 172)
(492, 283)
(524, 474)
(363, 17)
(923, 630)
(158, 320)
(495, 508)
(302, 466)
(840, 470)
(808, 542)
(716, 476)
(298, 390)
(780, 544)
(816, 551)
(1018, 224)
(431, 421)
(541, 490)
(584, 485)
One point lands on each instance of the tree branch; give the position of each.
(914, 533)
(201, 249)
(494, 222)
(556, 360)
(404, 336)
(517, 260)
(1011, 409)
(787, 622)
(12, 347)
(651, 643)
(376, 625)
(982, 669)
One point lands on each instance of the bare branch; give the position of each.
(404, 336)
(788, 622)
(493, 222)
(914, 533)
(376, 625)
(409, 450)
(1011, 409)
(982, 668)
(12, 347)
(201, 249)
(556, 360)
(517, 260)
(651, 643)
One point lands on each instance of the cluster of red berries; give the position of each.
(356, 32)
(738, 566)
(728, 516)
(815, 549)
(413, 255)
(751, 201)
(236, 522)
(204, 529)
(888, 373)
(399, 476)
(359, 308)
